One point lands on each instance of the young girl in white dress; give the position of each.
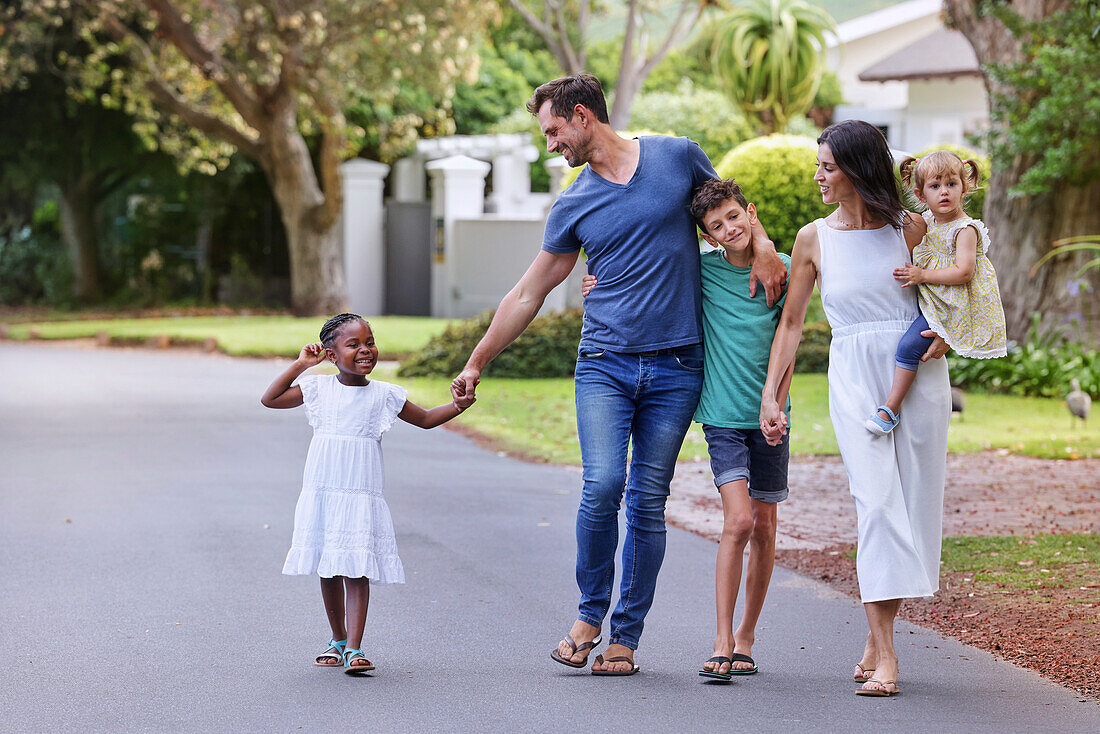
(956, 284)
(342, 526)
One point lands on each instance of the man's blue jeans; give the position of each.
(644, 401)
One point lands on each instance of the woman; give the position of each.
(896, 480)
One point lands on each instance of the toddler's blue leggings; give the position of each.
(912, 345)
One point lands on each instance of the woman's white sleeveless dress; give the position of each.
(896, 480)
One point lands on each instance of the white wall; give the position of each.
(490, 254)
(944, 111)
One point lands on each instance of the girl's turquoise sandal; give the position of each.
(351, 655)
(333, 655)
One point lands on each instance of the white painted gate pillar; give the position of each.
(364, 249)
(458, 192)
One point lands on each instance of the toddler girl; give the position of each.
(957, 287)
(342, 526)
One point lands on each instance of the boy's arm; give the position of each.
(281, 393)
(437, 416)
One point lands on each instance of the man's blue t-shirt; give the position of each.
(641, 246)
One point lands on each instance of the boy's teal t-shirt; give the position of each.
(737, 341)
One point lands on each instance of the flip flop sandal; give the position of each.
(879, 692)
(554, 655)
(739, 658)
(334, 652)
(621, 659)
(864, 674)
(720, 659)
(351, 655)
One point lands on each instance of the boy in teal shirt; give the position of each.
(750, 473)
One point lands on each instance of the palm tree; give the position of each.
(768, 56)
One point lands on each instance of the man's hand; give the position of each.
(464, 385)
(767, 268)
(937, 349)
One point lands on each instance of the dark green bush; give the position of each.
(1041, 367)
(548, 348)
(813, 350)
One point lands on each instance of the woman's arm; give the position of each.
(785, 343)
(437, 416)
(280, 393)
(961, 273)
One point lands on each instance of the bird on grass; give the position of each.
(1079, 402)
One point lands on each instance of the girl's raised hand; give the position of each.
(312, 354)
(588, 282)
(909, 274)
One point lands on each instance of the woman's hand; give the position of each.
(937, 348)
(773, 422)
(588, 282)
(312, 354)
(909, 274)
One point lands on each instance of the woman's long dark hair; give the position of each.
(861, 152)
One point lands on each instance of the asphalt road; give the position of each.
(146, 504)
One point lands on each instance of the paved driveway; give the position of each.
(146, 503)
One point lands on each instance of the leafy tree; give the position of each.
(206, 77)
(565, 26)
(1041, 63)
(767, 55)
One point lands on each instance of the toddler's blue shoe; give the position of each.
(877, 425)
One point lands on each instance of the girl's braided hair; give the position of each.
(332, 327)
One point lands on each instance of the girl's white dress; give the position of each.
(342, 526)
(896, 480)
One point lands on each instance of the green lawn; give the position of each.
(253, 336)
(536, 417)
(1050, 561)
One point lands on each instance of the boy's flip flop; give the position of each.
(720, 659)
(554, 655)
(739, 658)
(621, 659)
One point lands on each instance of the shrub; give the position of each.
(548, 348)
(1041, 367)
(813, 349)
(706, 116)
(777, 173)
(975, 198)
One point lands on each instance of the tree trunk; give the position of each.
(78, 231)
(1023, 228)
(317, 284)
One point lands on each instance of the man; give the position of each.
(640, 361)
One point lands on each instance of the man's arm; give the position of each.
(767, 268)
(515, 312)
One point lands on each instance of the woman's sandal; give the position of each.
(721, 660)
(351, 655)
(585, 647)
(334, 652)
(882, 691)
(862, 674)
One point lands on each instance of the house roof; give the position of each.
(942, 54)
(881, 20)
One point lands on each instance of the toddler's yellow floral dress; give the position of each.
(969, 317)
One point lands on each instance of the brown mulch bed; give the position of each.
(1051, 631)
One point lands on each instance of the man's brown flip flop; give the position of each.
(554, 655)
(620, 659)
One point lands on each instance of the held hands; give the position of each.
(465, 402)
(908, 275)
(463, 386)
(588, 282)
(312, 354)
(773, 422)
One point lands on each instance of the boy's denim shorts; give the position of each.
(737, 453)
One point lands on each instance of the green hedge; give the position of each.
(813, 349)
(776, 173)
(548, 348)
